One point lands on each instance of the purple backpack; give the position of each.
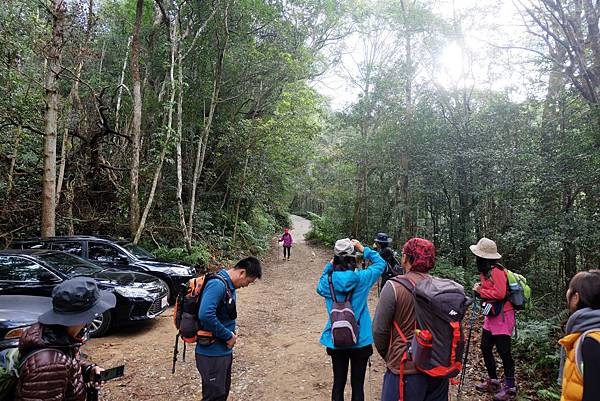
(344, 327)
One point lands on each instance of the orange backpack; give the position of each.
(185, 314)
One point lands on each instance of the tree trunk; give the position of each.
(63, 164)
(407, 222)
(121, 83)
(175, 41)
(203, 144)
(48, 228)
(239, 200)
(134, 201)
(163, 152)
(70, 202)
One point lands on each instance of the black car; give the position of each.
(37, 271)
(17, 313)
(117, 255)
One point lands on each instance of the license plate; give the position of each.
(164, 302)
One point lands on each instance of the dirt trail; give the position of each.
(277, 356)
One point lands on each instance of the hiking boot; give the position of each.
(488, 386)
(506, 394)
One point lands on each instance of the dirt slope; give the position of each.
(277, 356)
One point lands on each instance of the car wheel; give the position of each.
(101, 324)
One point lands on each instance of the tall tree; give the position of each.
(136, 127)
(57, 9)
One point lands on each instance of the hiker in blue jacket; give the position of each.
(216, 315)
(345, 279)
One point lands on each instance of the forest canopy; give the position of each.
(195, 127)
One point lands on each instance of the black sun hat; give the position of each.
(77, 301)
(383, 238)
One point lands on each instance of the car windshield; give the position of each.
(138, 251)
(70, 265)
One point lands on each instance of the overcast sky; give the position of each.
(486, 24)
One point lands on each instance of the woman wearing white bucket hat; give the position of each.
(499, 321)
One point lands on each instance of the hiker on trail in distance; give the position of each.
(347, 334)
(52, 367)
(499, 321)
(392, 269)
(287, 240)
(580, 354)
(217, 314)
(396, 307)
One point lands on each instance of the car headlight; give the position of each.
(15, 333)
(132, 292)
(181, 271)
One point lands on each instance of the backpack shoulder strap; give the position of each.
(579, 349)
(29, 354)
(410, 286)
(210, 276)
(331, 290)
(407, 283)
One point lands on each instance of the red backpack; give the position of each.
(437, 345)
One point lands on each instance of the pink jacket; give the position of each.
(495, 288)
(287, 239)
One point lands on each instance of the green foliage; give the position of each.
(258, 230)
(445, 269)
(199, 257)
(549, 395)
(536, 346)
(326, 228)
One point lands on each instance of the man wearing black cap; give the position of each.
(393, 268)
(52, 369)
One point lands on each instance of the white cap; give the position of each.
(343, 247)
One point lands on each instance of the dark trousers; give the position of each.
(503, 345)
(286, 249)
(357, 358)
(216, 376)
(419, 387)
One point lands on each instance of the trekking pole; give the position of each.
(175, 352)
(466, 356)
(370, 382)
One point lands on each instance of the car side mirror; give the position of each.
(123, 259)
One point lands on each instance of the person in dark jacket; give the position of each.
(217, 314)
(53, 369)
(383, 246)
(345, 279)
(393, 328)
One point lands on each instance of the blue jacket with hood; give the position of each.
(360, 282)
